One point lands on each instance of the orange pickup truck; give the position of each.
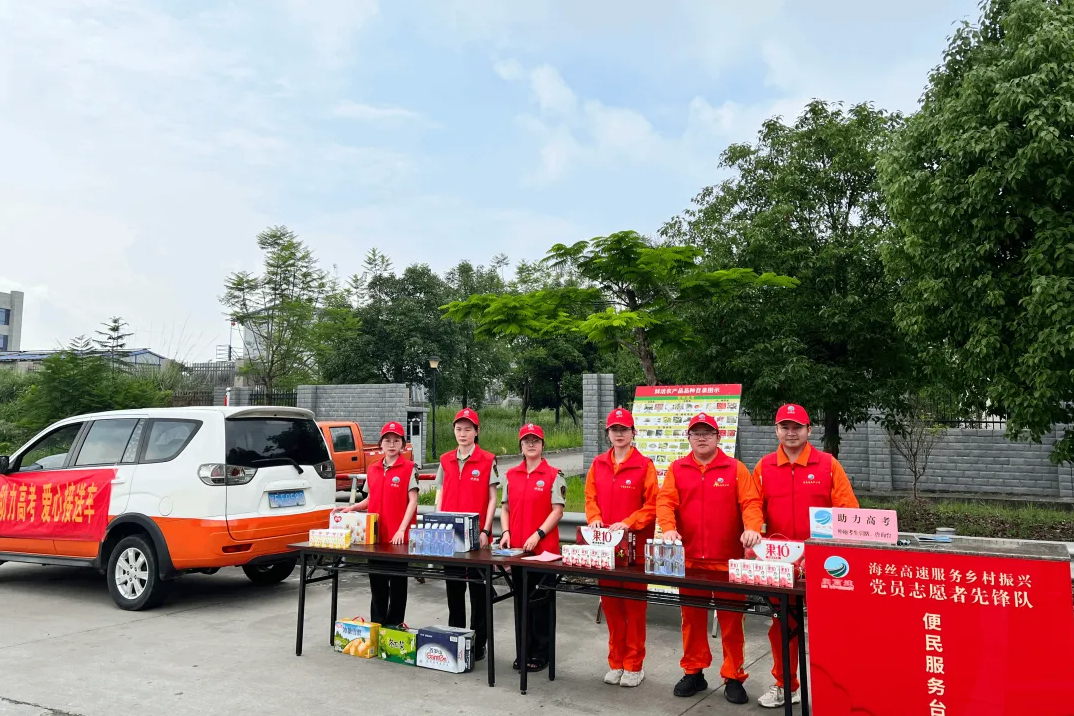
(350, 453)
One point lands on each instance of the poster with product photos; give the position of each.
(661, 414)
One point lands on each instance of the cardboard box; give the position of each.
(621, 541)
(398, 644)
(467, 526)
(331, 539)
(357, 637)
(363, 525)
(447, 649)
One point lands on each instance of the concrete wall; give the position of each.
(966, 461)
(368, 405)
(598, 399)
(13, 330)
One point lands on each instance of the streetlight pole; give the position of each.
(434, 364)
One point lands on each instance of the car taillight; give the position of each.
(327, 470)
(220, 474)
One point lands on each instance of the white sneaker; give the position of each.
(632, 678)
(613, 677)
(775, 698)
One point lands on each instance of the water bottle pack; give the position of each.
(431, 540)
(665, 558)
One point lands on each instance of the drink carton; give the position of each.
(467, 527)
(622, 541)
(771, 570)
(399, 644)
(363, 525)
(786, 575)
(749, 575)
(357, 637)
(447, 649)
(734, 568)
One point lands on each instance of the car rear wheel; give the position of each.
(272, 573)
(133, 578)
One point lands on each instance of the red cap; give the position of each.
(393, 428)
(793, 413)
(531, 429)
(620, 416)
(703, 419)
(467, 414)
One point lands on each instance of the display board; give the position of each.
(961, 635)
(661, 414)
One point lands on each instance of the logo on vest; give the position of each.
(628, 483)
(395, 480)
(540, 483)
(719, 480)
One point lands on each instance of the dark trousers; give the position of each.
(456, 600)
(538, 624)
(388, 604)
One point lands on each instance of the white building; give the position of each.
(11, 321)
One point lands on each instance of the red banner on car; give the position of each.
(896, 632)
(67, 504)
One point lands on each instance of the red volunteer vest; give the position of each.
(709, 517)
(622, 493)
(468, 492)
(389, 495)
(529, 502)
(790, 490)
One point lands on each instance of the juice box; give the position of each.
(749, 575)
(398, 644)
(772, 574)
(357, 637)
(786, 575)
(363, 525)
(734, 568)
(622, 542)
(447, 649)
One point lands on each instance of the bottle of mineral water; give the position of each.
(447, 540)
(658, 557)
(648, 556)
(412, 537)
(680, 559)
(419, 537)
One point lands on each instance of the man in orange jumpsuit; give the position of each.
(620, 493)
(710, 502)
(794, 478)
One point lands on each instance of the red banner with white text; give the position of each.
(65, 504)
(902, 632)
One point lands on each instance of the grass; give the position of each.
(970, 518)
(499, 429)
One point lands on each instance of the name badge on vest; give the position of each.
(475, 475)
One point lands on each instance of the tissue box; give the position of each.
(363, 525)
(621, 541)
(467, 526)
(447, 649)
(357, 637)
(399, 644)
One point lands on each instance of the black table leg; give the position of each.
(552, 633)
(301, 606)
(523, 620)
(799, 615)
(491, 653)
(335, 603)
(785, 646)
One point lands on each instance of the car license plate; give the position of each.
(291, 498)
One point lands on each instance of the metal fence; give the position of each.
(187, 398)
(261, 396)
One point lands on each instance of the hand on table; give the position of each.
(505, 541)
(483, 541)
(532, 542)
(400, 537)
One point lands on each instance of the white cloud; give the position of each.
(552, 93)
(510, 70)
(332, 26)
(374, 113)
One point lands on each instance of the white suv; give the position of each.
(191, 490)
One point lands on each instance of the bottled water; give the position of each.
(412, 538)
(648, 556)
(680, 559)
(658, 557)
(419, 538)
(447, 540)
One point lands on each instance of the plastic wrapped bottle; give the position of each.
(447, 541)
(412, 538)
(648, 556)
(680, 559)
(419, 540)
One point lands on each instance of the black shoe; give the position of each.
(690, 684)
(735, 692)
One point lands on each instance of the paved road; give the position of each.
(221, 645)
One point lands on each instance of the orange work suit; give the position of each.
(624, 492)
(814, 479)
(710, 505)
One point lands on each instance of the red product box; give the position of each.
(622, 540)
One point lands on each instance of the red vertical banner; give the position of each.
(902, 632)
(58, 504)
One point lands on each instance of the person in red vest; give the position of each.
(392, 484)
(711, 503)
(794, 478)
(467, 481)
(534, 494)
(620, 493)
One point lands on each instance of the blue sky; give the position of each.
(145, 143)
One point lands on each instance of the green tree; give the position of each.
(981, 184)
(277, 308)
(803, 200)
(630, 290)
